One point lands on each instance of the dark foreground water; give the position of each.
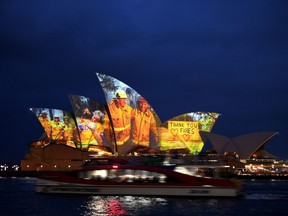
(263, 197)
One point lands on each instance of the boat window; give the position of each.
(93, 174)
(124, 175)
(97, 162)
(103, 161)
(83, 175)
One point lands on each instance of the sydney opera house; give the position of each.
(128, 126)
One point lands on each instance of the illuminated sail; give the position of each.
(127, 124)
(59, 125)
(134, 120)
(182, 132)
(92, 123)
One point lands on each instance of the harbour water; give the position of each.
(262, 197)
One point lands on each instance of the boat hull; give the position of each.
(45, 186)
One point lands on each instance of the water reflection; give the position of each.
(119, 205)
(137, 205)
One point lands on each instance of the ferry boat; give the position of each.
(119, 177)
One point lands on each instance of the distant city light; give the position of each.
(5, 167)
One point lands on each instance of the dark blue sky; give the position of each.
(229, 57)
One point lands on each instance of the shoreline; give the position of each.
(23, 173)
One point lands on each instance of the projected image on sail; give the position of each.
(182, 132)
(134, 120)
(93, 124)
(59, 126)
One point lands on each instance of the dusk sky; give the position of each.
(229, 57)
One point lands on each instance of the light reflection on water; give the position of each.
(271, 192)
(135, 205)
(119, 205)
